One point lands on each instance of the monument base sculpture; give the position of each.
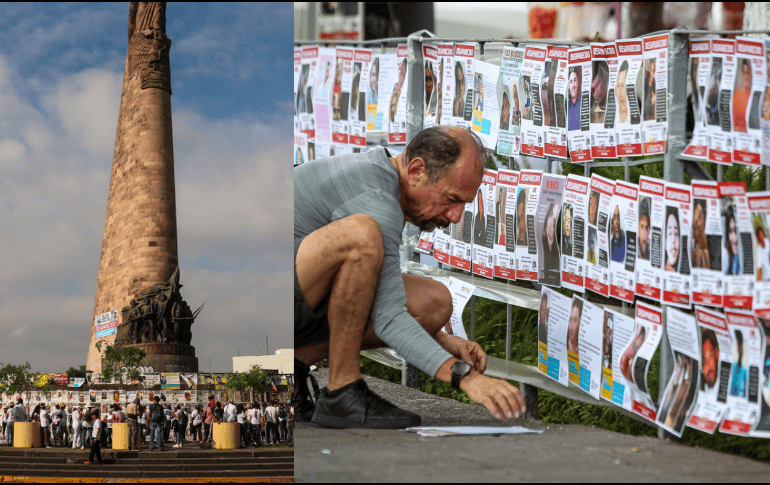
(173, 357)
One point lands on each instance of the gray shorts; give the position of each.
(310, 325)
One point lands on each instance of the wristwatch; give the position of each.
(460, 369)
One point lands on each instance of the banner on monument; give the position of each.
(169, 380)
(106, 324)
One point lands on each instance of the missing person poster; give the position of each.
(307, 76)
(527, 196)
(322, 97)
(442, 244)
(679, 395)
(765, 118)
(628, 122)
(655, 95)
(747, 97)
(532, 112)
(547, 217)
(484, 224)
(743, 387)
(341, 90)
(460, 247)
(715, 351)
(676, 261)
(589, 337)
(759, 208)
(719, 93)
(430, 96)
(462, 103)
(706, 244)
(554, 94)
(362, 58)
(622, 235)
(700, 66)
(425, 241)
(737, 248)
(617, 331)
(461, 293)
(649, 238)
(486, 114)
(635, 358)
(578, 104)
(300, 149)
(573, 232)
(297, 71)
(509, 136)
(375, 113)
(446, 83)
(505, 225)
(552, 335)
(597, 256)
(604, 62)
(762, 426)
(397, 97)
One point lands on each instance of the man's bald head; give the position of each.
(441, 147)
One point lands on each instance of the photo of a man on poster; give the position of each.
(731, 241)
(712, 98)
(599, 86)
(551, 256)
(480, 221)
(621, 94)
(627, 359)
(521, 218)
(459, 102)
(430, 90)
(566, 224)
(542, 319)
(738, 373)
(573, 104)
(573, 327)
(607, 340)
(741, 95)
(649, 89)
(505, 111)
(710, 362)
(617, 238)
(699, 251)
(672, 239)
(593, 207)
(643, 232)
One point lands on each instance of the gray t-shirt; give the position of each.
(333, 188)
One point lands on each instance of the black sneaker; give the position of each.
(303, 403)
(356, 406)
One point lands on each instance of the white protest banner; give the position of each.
(743, 395)
(635, 358)
(628, 126)
(738, 247)
(719, 95)
(343, 82)
(578, 105)
(430, 97)
(526, 210)
(655, 95)
(446, 83)
(484, 223)
(705, 246)
(509, 136)
(554, 93)
(715, 351)
(603, 105)
(679, 395)
(362, 59)
(617, 331)
(547, 237)
(676, 260)
(759, 208)
(462, 104)
(747, 97)
(588, 336)
(700, 66)
(305, 91)
(532, 113)
(622, 235)
(573, 232)
(505, 227)
(597, 279)
(552, 335)
(486, 113)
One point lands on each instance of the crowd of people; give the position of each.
(159, 423)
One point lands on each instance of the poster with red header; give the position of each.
(343, 82)
(700, 66)
(747, 98)
(649, 246)
(554, 93)
(532, 115)
(305, 87)
(706, 244)
(397, 97)
(743, 388)
(628, 122)
(604, 62)
(425, 241)
(484, 224)
(446, 85)
(635, 359)
(430, 96)
(442, 244)
(676, 229)
(573, 232)
(362, 58)
(655, 95)
(715, 351)
(462, 102)
(527, 195)
(505, 226)
(578, 105)
(597, 256)
(622, 235)
(719, 93)
(759, 208)
(546, 229)
(738, 247)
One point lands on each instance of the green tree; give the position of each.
(114, 359)
(252, 380)
(14, 378)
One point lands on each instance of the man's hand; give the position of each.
(466, 350)
(502, 399)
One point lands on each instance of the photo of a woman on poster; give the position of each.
(299, 160)
(672, 239)
(480, 221)
(627, 359)
(516, 108)
(696, 93)
(741, 95)
(649, 89)
(478, 92)
(710, 359)
(566, 225)
(500, 236)
(643, 231)
(593, 207)
(542, 319)
(712, 98)
(440, 91)
(521, 218)
(607, 340)
(551, 256)
(353, 116)
(599, 86)
(549, 105)
(505, 111)
(526, 84)
(617, 238)
(337, 90)
(371, 90)
(573, 327)
(731, 242)
(763, 248)
(430, 89)
(459, 102)
(621, 95)
(592, 242)
(699, 251)
(393, 105)
(738, 373)
(573, 104)
(681, 395)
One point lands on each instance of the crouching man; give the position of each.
(349, 293)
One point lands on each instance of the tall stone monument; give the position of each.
(138, 273)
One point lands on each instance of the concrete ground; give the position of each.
(562, 453)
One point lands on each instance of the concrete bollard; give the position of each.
(120, 436)
(26, 435)
(227, 436)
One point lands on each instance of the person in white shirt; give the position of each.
(10, 419)
(241, 419)
(271, 425)
(230, 412)
(256, 421)
(96, 443)
(45, 425)
(77, 438)
(196, 418)
(177, 418)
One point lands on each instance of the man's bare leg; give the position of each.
(342, 259)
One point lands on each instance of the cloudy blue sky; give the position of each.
(61, 70)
